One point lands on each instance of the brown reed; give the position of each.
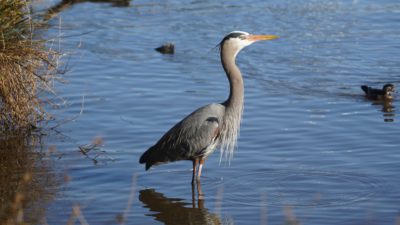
(27, 67)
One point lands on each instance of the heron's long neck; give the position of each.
(235, 98)
(233, 105)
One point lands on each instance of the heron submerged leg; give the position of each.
(193, 196)
(195, 162)
(200, 195)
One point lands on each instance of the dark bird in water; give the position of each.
(386, 93)
(215, 125)
(167, 48)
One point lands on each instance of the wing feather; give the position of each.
(188, 139)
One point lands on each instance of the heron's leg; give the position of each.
(193, 196)
(195, 162)
(200, 195)
(200, 167)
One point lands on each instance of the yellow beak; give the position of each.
(253, 37)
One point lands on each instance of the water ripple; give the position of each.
(309, 188)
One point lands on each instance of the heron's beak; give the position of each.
(253, 37)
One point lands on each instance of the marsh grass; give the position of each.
(27, 68)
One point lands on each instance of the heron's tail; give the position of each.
(146, 158)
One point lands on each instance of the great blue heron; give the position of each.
(197, 135)
(386, 93)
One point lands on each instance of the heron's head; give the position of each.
(389, 90)
(237, 40)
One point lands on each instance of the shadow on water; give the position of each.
(176, 210)
(27, 182)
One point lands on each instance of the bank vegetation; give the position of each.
(28, 66)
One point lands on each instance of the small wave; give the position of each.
(308, 188)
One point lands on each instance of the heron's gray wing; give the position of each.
(191, 138)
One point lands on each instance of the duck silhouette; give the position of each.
(386, 93)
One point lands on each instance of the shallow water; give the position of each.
(312, 149)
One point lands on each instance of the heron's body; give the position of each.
(197, 135)
(386, 93)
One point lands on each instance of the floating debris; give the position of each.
(167, 48)
(93, 151)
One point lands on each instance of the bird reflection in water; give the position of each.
(383, 97)
(177, 211)
(388, 110)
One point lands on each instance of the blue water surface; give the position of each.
(312, 148)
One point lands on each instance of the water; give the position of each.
(312, 149)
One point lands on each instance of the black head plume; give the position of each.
(233, 34)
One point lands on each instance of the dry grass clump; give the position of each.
(26, 67)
